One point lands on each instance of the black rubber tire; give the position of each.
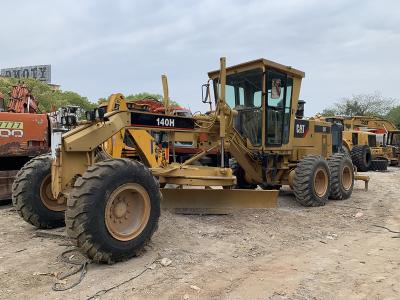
(86, 209)
(379, 164)
(303, 183)
(237, 171)
(343, 149)
(100, 156)
(337, 162)
(361, 157)
(26, 194)
(269, 187)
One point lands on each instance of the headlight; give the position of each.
(90, 115)
(71, 120)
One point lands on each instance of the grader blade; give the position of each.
(216, 201)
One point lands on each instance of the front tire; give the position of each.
(342, 176)
(238, 171)
(361, 157)
(379, 164)
(311, 182)
(113, 210)
(32, 197)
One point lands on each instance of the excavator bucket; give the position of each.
(216, 201)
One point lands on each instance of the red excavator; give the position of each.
(24, 133)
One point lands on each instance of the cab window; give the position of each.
(244, 93)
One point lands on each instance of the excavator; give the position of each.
(24, 133)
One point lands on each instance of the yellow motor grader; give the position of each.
(387, 146)
(111, 205)
(361, 145)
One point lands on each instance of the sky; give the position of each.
(98, 47)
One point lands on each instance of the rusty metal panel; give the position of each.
(23, 134)
(6, 180)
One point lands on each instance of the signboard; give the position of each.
(41, 72)
(161, 121)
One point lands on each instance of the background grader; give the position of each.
(386, 137)
(361, 144)
(112, 205)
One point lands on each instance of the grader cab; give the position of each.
(252, 138)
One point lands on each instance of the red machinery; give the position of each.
(153, 105)
(24, 133)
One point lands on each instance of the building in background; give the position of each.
(38, 72)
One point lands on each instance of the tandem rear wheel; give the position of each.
(316, 180)
(312, 182)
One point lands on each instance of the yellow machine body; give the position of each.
(256, 125)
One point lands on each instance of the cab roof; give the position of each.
(259, 63)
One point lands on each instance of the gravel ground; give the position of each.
(291, 252)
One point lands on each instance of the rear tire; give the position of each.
(237, 171)
(311, 182)
(113, 210)
(379, 164)
(345, 150)
(361, 157)
(342, 176)
(31, 194)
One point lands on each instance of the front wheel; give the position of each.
(113, 210)
(238, 171)
(311, 182)
(361, 157)
(379, 164)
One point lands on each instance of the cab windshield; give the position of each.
(394, 139)
(243, 92)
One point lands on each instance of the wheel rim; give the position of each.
(320, 182)
(47, 198)
(127, 211)
(347, 178)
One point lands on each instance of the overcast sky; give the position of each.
(100, 47)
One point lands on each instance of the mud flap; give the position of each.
(216, 201)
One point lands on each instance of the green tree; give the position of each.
(141, 96)
(144, 95)
(45, 95)
(373, 104)
(394, 116)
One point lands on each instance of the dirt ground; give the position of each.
(292, 252)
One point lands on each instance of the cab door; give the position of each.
(277, 108)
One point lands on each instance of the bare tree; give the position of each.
(373, 104)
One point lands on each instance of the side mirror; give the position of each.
(205, 93)
(300, 109)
